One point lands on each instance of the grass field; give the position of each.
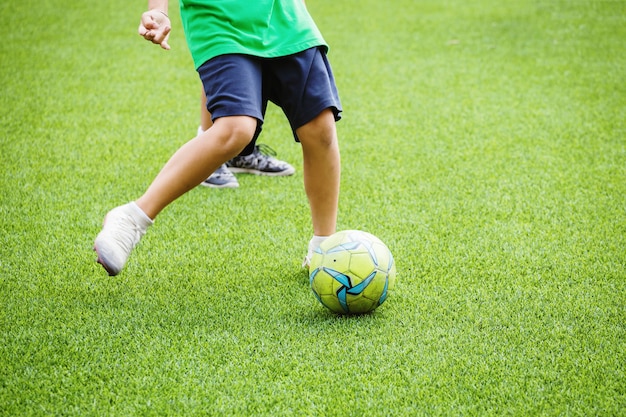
(483, 141)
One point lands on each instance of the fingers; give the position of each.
(159, 36)
(165, 45)
(155, 28)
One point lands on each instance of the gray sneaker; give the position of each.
(260, 162)
(221, 178)
(123, 228)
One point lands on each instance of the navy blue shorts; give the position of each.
(241, 85)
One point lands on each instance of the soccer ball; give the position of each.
(352, 272)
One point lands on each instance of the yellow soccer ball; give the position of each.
(352, 272)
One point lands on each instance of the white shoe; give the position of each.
(306, 263)
(123, 228)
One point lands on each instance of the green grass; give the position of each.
(484, 142)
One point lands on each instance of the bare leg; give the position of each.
(196, 160)
(322, 170)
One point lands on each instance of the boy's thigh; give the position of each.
(303, 85)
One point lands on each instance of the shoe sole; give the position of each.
(227, 185)
(284, 173)
(102, 259)
(103, 262)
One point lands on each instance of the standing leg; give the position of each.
(322, 169)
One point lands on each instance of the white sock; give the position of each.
(143, 217)
(315, 243)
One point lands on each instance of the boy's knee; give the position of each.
(321, 130)
(236, 131)
(244, 129)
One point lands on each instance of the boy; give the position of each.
(246, 53)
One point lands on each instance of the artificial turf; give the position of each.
(484, 142)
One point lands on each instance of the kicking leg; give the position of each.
(196, 160)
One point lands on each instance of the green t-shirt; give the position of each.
(264, 28)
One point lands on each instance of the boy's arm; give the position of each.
(155, 24)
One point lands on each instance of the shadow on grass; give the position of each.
(320, 314)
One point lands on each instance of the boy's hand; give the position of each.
(155, 27)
